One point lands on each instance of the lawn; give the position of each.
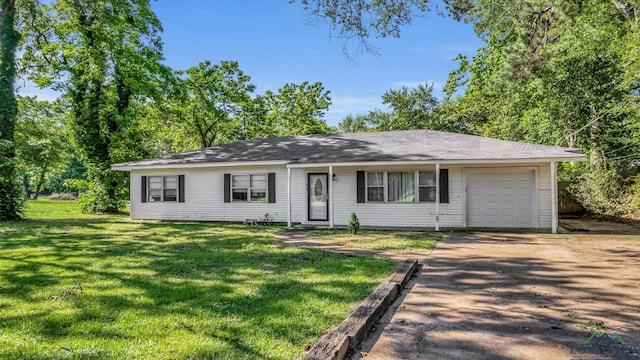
(76, 286)
(394, 241)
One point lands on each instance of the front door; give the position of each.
(318, 196)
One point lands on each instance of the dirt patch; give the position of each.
(598, 226)
(513, 296)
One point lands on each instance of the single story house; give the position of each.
(416, 178)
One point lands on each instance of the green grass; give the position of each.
(395, 241)
(166, 290)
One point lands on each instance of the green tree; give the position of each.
(10, 199)
(41, 146)
(105, 56)
(411, 109)
(360, 19)
(213, 100)
(354, 124)
(298, 109)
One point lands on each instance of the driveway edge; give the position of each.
(336, 343)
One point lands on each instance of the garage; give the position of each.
(501, 198)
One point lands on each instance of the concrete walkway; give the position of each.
(513, 296)
(298, 237)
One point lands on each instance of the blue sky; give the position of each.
(276, 43)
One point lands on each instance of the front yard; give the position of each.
(393, 241)
(100, 287)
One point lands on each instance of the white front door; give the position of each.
(501, 198)
(318, 196)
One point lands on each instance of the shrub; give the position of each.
(354, 224)
(635, 189)
(599, 191)
(97, 201)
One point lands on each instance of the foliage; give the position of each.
(354, 124)
(558, 74)
(105, 55)
(368, 122)
(353, 225)
(635, 192)
(149, 290)
(10, 199)
(211, 101)
(553, 72)
(360, 19)
(598, 191)
(42, 145)
(411, 109)
(298, 109)
(213, 104)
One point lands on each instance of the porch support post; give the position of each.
(437, 196)
(554, 198)
(330, 196)
(288, 196)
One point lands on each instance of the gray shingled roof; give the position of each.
(410, 145)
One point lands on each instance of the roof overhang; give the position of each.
(125, 167)
(442, 162)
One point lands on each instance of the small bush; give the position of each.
(635, 190)
(63, 196)
(354, 224)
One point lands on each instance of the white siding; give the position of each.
(204, 196)
(379, 214)
(544, 195)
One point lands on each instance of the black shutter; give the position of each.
(227, 188)
(444, 186)
(143, 188)
(272, 187)
(361, 188)
(180, 188)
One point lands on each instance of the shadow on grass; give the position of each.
(237, 289)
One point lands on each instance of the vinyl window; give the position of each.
(427, 186)
(249, 188)
(162, 188)
(375, 186)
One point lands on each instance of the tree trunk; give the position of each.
(596, 158)
(10, 197)
(39, 184)
(25, 187)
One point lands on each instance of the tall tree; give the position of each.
(10, 199)
(105, 55)
(299, 109)
(412, 109)
(213, 99)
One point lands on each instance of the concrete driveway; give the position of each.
(503, 296)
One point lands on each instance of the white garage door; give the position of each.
(501, 198)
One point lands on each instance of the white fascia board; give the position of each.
(443, 162)
(124, 167)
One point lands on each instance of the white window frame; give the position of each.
(385, 181)
(250, 189)
(163, 188)
(426, 186)
(384, 186)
